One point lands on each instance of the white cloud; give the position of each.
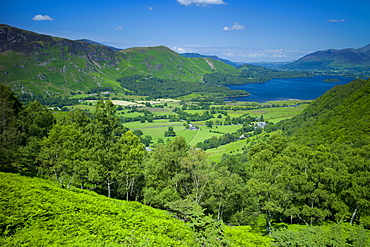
(277, 55)
(151, 8)
(117, 28)
(277, 51)
(335, 20)
(42, 18)
(200, 2)
(256, 54)
(229, 54)
(268, 53)
(236, 26)
(179, 49)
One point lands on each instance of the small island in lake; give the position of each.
(331, 80)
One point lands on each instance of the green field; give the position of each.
(274, 113)
(83, 107)
(277, 114)
(215, 154)
(157, 128)
(191, 136)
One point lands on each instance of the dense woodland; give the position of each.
(305, 183)
(251, 74)
(163, 88)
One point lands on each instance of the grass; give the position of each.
(287, 102)
(199, 136)
(279, 113)
(215, 154)
(158, 101)
(224, 128)
(36, 212)
(273, 114)
(192, 137)
(157, 128)
(125, 103)
(82, 107)
(131, 114)
(146, 61)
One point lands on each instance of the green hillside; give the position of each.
(161, 62)
(340, 116)
(41, 64)
(317, 168)
(35, 212)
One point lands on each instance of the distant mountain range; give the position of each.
(42, 64)
(354, 59)
(327, 60)
(270, 65)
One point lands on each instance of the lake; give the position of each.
(308, 88)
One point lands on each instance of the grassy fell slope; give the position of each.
(31, 62)
(161, 62)
(35, 212)
(35, 63)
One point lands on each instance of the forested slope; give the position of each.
(162, 88)
(342, 116)
(251, 74)
(317, 169)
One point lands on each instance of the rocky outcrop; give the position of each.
(42, 45)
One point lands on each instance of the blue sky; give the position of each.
(238, 30)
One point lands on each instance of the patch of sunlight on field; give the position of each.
(215, 154)
(82, 107)
(223, 128)
(199, 136)
(159, 101)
